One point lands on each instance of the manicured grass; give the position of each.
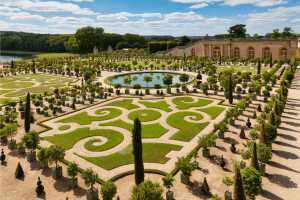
(89, 145)
(68, 140)
(187, 130)
(17, 85)
(36, 90)
(213, 111)
(181, 105)
(84, 118)
(65, 127)
(144, 115)
(159, 105)
(152, 153)
(3, 100)
(125, 103)
(148, 131)
(5, 91)
(41, 54)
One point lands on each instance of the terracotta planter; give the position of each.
(56, 172)
(31, 156)
(184, 178)
(205, 153)
(73, 183)
(92, 195)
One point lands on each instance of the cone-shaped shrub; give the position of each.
(54, 112)
(232, 148)
(259, 108)
(205, 188)
(39, 188)
(73, 106)
(187, 90)
(27, 113)
(138, 152)
(230, 98)
(262, 135)
(275, 108)
(254, 114)
(254, 161)
(19, 171)
(3, 156)
(222, 162)
(248, 123)
(118, 198)
(238, 188)
(271, 118)
(242, 133)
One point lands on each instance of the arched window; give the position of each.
(283, 52)
(236, 52)
(251, 53)
(193, 52)
(266, 53)
(217, 52)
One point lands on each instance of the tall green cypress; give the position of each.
(12, 64)
(238, 188)
(33, 66)
(271, 118)
(138, 152)
(262, 136)
(271, 62)
(27, 113)
(258, 67)
(230, 98)
(275, 108)
(220, 59)
(254, 161)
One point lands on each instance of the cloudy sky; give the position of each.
(149, 17)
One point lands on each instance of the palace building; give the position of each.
(239, 47)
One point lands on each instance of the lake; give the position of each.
(7, 57)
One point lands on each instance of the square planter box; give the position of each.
(46, 114)
(265, 99)
(31, 156)
(221, 135)
(184, 179)
(127, 91)
(92, 195)
(137, 92)
(242, 164)
(262, 169)
(195, 90)
(183, 88)
(177, 90)
(215, 93)
(232, 122)
(240, 112)
(196, 163)
(205, 153)
(44, 164)
(3, 139)
(21, 150)
(254, 98)
(73, 183)
(147, 91)
(227, 195)
(11, 144)
(157, 92)
(56, 172)
(168, 90)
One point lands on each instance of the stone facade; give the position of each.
(95, 50)
(239, 47)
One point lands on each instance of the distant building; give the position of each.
(95, 50)
(110, 49)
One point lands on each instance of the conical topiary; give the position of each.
(19, 171)
(254, 114)
(39, 188)
(232, 148)
(187, 90)
(141, 93)
(118, 198)
(205, 188)
(222, 162)
(161, 92)
(259, 108)
(262, 135)
(254, 161)
(73, 106)
(54, 111)
(242, 133)
(271, 118)
(282, 90)
(238, 188)
(3, 156)
(275, 108)
(248, 123)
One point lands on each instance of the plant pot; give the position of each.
(215, 93)
(228, 195)
(118, 92)
(126, 92)
(184, 178)
(137, 92)
(221, 135)
(204, 91)
(157, 92)
(273, 84)
(232, 122)
(73, 183)
(31, 156)
(205, 153)
(196, 163)
(183, 88)
(270, 145)
(168, 90)
(44, 164)
(240, 112)
(262, 169)
(3, 139)
(147, 91)
(56, 172)
(92, 195)
(195, 90)
(238, 96)
(265, 99)
(244, 91)
(46, 114)
(11, 144)
(177, 90)
(243, 164)
(21, 150)
(254, 98)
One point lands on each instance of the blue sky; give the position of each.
(149, 17)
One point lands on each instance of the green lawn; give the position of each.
(17, 85)
(144, 115)
(4, 100)
(83, 118)
(125, 103)
(35, 90)
(65, 127)
(213, 111)
(68, 140)
(152, 153)
(5, 91)
(181, 105)
(148, 131)
(159, 105)
(187, 130)
(41, 54)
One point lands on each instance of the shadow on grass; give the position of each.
(281, 166)
(287, 137)
(195, 189)
(282, 181)
(285, 154)
(269, 195)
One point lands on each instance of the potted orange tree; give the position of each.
(43, 157)
(56, 153)
(228, 182)
(90, 179)
(168, 183)
(72, 170)
(183, 164)
(205, 142)
(31, 140)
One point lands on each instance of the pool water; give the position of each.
(137, 78)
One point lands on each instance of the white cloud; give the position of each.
(242, 15)
(125, 15)
(5, 25)
(22, 16)
(178, 16)
(296, 20)
(261, 3)
(81, 0)
(8, 9)
(48, 6)
(201, 5)
(220, 20)
(70, 21)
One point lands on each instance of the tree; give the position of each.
(271, 118)
(227, 181)
(184, 40)
(72, 170)
(33, 66)
(147, 79)
(264, 153)
(27, 113)
(31, 140)
(10, 130)
(138, 152)
(276, 33)
(56, 152)
(127, 80)
(19, 171)
(254, 161)
(185, 166)
(168, 181)
(43, 155)
(230, 97)
(108, 190)
(184, 78)
(262, 135)
(287, 32)
(89, 178)
(168, 80)
(251, 181)
(271, 62)
(205, 188)
(237, 31)
(238, 188)
(147, 190)
(242, 133)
